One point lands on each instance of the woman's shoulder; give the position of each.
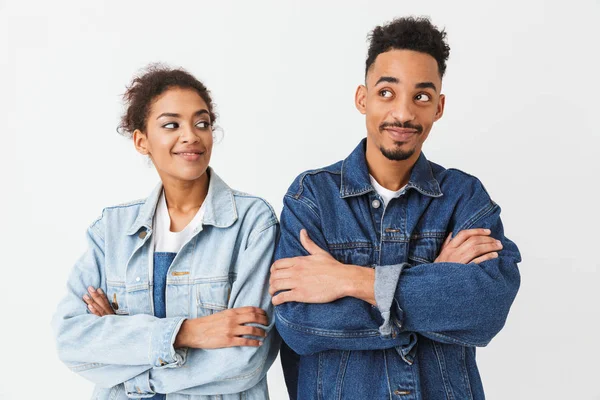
(251, 207)
(119, 216)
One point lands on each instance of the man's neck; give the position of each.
(392, 175)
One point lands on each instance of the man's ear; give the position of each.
(360, 99)
(440, 107)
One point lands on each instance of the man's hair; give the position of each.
(409, 33)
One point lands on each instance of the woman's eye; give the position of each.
(422, 97)
(171, 125)
(385, 93)
(203, 124)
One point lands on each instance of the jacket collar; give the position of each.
(356, 181)
(219, 206)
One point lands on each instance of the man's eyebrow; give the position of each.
(175, 115)
(426, 85)
(389, 79)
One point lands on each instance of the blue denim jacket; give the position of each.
(419, 341)
(225, 265)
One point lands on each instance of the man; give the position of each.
(391, 269)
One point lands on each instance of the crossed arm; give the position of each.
(462, 298)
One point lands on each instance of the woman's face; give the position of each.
(178, 137)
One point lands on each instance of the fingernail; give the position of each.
(86, 297)
(100, 291)
(90, 307)
(488, 231)
(91, 289)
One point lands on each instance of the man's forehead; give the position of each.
(406, 66)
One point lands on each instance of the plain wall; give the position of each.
(522, 93)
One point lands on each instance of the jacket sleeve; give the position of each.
(311, 328)
(111, 349)
(233, 369)
(456, 303)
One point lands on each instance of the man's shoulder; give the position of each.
(320, 179)
(454, 179)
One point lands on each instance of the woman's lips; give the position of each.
(189, 156)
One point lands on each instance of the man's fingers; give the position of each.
(281, 284)
(285, 263)
(463, 235)
(485, 257)
(283, 297)
(309, 245)
(448, 239)
(478, 250)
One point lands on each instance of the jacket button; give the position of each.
(376, 203)
(142, 234)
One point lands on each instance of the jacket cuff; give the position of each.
(139, 387)
(386, 281)
(162, 352)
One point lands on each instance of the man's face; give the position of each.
(401, 100)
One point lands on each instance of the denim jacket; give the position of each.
(419, 341)
(225, 265)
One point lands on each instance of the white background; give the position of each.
(522, 90)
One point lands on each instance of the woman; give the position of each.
(182, 305)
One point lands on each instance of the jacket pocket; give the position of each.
(425, 247)
(212, 296)
(116, 292)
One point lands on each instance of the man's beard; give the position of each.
(397, 154)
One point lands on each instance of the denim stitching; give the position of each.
(464, 370)
(342, 373)
(442, 364)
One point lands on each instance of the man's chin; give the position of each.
(398, 152)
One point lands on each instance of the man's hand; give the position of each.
(469, 246)
(317, 278)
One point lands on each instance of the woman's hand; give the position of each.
(469, 246)
(223, 329)
(97, 302)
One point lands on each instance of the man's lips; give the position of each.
(400, 134)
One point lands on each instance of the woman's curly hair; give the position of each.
(144, 88)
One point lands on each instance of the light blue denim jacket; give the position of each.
(225, 265)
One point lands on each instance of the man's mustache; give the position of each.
(398, 124)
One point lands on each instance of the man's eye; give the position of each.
(203, 124)
(422, 97)
(171, 125)
(386, 93)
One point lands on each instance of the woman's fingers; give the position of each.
(244, 330)
(100, 300)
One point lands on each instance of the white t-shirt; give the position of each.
(164, 239)
(386, 194)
